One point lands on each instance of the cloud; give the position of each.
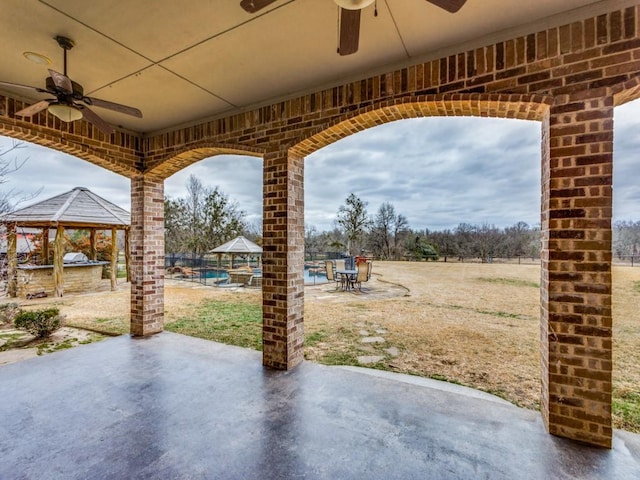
(54, 173)
(438, 172)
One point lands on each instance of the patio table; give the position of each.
(347, 276)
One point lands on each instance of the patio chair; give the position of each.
(362, 276)
(331, 274)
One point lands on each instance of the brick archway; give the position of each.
(523, 107)
(168, 163)
(577, 134)
(120, 153)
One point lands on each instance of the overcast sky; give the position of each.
(438, 172)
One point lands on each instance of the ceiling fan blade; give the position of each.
(252, 6)
(17, 85)
(451, 6)
(349, 31)
(33, 109)
(92, 117)
(116, 107)
(61, 81)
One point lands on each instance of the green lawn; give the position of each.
(232, 323)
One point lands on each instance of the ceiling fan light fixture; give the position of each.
(37, 58)
(66, 113)
(353, 4)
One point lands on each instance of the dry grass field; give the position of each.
(473, 324)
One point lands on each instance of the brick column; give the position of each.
(576, 268)
(283, 261)
(147, 255)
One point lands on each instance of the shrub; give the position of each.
(8, 312)
(40, 323)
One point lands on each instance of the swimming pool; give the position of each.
(213, 276)
(314, 275)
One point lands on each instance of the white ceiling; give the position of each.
(184, 61)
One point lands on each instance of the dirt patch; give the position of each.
(63, 338)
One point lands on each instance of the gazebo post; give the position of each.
(114, 258)
(127, 254)
(12, 260)
(45, 246)
(58, 253)
(93, 244)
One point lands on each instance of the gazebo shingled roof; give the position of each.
(76, 208)
(238, 245)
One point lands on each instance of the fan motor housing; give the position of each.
(78, 91)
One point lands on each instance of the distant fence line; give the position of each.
(632, 260)
(187, 260)
(172, 260)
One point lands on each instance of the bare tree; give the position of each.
(387, 231)
(253, 231)
(10, 198)
(626, 239)
(354, 220)
(312, 242)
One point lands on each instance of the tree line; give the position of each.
(387, 235)
(626, 240)
(206, 218)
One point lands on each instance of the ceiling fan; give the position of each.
(69, 103)
(350, 17)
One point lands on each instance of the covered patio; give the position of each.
(268, 82)
(179, 407)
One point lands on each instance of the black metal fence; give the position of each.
(210, 271)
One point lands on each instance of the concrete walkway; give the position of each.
(175, 407)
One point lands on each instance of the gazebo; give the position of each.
(238, 246)
(78, 209)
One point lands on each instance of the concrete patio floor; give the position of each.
(176, 407)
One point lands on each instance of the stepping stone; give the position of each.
(364, 333)
(373, 340)
(393, 351)
(368, 359)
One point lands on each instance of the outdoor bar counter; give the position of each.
(78, 278)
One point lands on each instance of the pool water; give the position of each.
(311, 275)
(314, 275)
(217, 274)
